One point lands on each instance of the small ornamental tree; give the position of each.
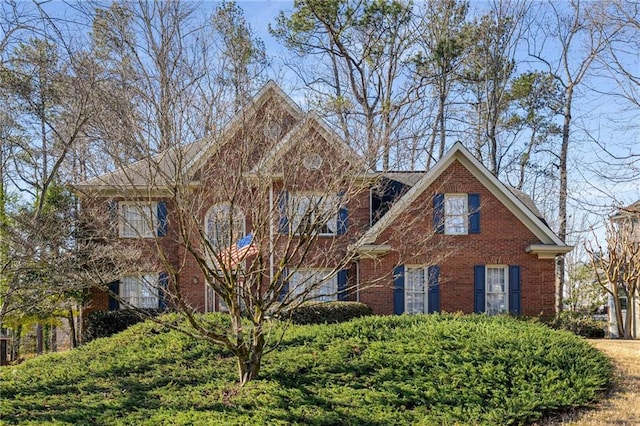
(617, 267)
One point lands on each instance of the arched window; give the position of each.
(224, 226)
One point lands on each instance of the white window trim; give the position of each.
(151, 280)
(425, 270)
(505, 270)
(332, 200)
(123, 226)
(299, 288)
(464, 215)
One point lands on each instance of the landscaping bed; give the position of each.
(432, 369)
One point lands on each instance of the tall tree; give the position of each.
(444, 41)
(369, 84)
(489, 69)
(576, 45)
(242, 56)
(535, 100)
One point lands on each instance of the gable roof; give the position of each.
(310, 121)
(161, 170)
(459, 153)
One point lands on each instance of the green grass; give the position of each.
(438, 369)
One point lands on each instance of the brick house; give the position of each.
(451, 239)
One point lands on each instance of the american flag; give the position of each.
(239, 251)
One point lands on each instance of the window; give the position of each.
(455, 214)
(222, 228)
(140, 291)
(314, 214)
(320, 287)
(138, 220)
(497, 282)
(416, 290)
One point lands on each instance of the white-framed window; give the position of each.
(316, 283)
(456, 211)
(314, 214)
(416, 289)
(138, 219)
(497, 289)
(223, 226)
(140, 291)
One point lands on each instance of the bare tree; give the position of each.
(256, 215)
(577, 45)
(370, 84)
(445, 42)
(617, 267)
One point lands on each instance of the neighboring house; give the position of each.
(451, 239)
(627, 220)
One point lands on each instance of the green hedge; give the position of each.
(105, 324)
(393, 370)
(326, 312)
(581, 324)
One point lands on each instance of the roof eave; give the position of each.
(548, 251)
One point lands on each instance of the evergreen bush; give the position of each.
(105, 324)
(326, 312)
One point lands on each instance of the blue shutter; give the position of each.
(343, 216)
(479, 288)
(162, 218)
(514, 289)
(398, 290)
(114, 288)
(342, 285)
(473, 202)
(163, 282)
(438, 213)
(434, 289)
(285, 286)
(283, 201)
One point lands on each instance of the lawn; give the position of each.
(436, 369)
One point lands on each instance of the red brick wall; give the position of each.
(502, 240)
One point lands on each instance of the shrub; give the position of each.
(581, 324)
(326, 312)
(400, 370)
(105, 324)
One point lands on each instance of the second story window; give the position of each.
(455, 214)
(224, 225)
(314, 214)
(138, 219)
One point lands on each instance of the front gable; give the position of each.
(458, 172)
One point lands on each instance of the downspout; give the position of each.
(271, 234)
(357, 280)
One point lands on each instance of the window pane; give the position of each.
(455, 214)
(138, 220)
(320, 289)
(415, 290)
(220, 229)
(314, 214)
(139, 291)
(496, 290)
